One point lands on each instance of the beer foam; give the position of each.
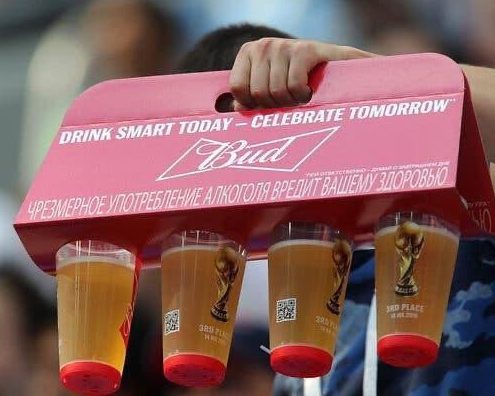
(431, 229)
(176, 249)
(93, 260)
(300, 242)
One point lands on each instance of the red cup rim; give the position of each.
(407, 350)
(90, 377)
(301, 361)
(194, 370)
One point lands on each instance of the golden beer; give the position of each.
(93, 301)
(201, 286)
(414, 269)
(307, 284)
(95, 298)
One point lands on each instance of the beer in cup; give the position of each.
(201, 282)
(96, 290)
(308, 268)
(415, 260)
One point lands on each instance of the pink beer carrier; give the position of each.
(137, 159)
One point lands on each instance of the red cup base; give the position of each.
(300, 361)
(407, 350)
(194, 370)
(90, 378)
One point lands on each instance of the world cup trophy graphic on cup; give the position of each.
(226, 267)
(409, 243)
(341, 257)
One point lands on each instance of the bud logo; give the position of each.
(279, 155)
(125, 327)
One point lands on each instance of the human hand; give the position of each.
(273, 72)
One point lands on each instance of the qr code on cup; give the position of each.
(286, 310)
(171, 321)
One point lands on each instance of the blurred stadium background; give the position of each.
(52, 50)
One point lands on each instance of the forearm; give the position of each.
(482, 83)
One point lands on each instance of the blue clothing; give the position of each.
(466, 362)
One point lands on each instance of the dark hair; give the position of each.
(33, 308)
(218, 49)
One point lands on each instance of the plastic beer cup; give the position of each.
(202, 275)
(308, 267)
(96, 290)
(415, 259)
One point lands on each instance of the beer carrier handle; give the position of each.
(332, 83)
(315, 78)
